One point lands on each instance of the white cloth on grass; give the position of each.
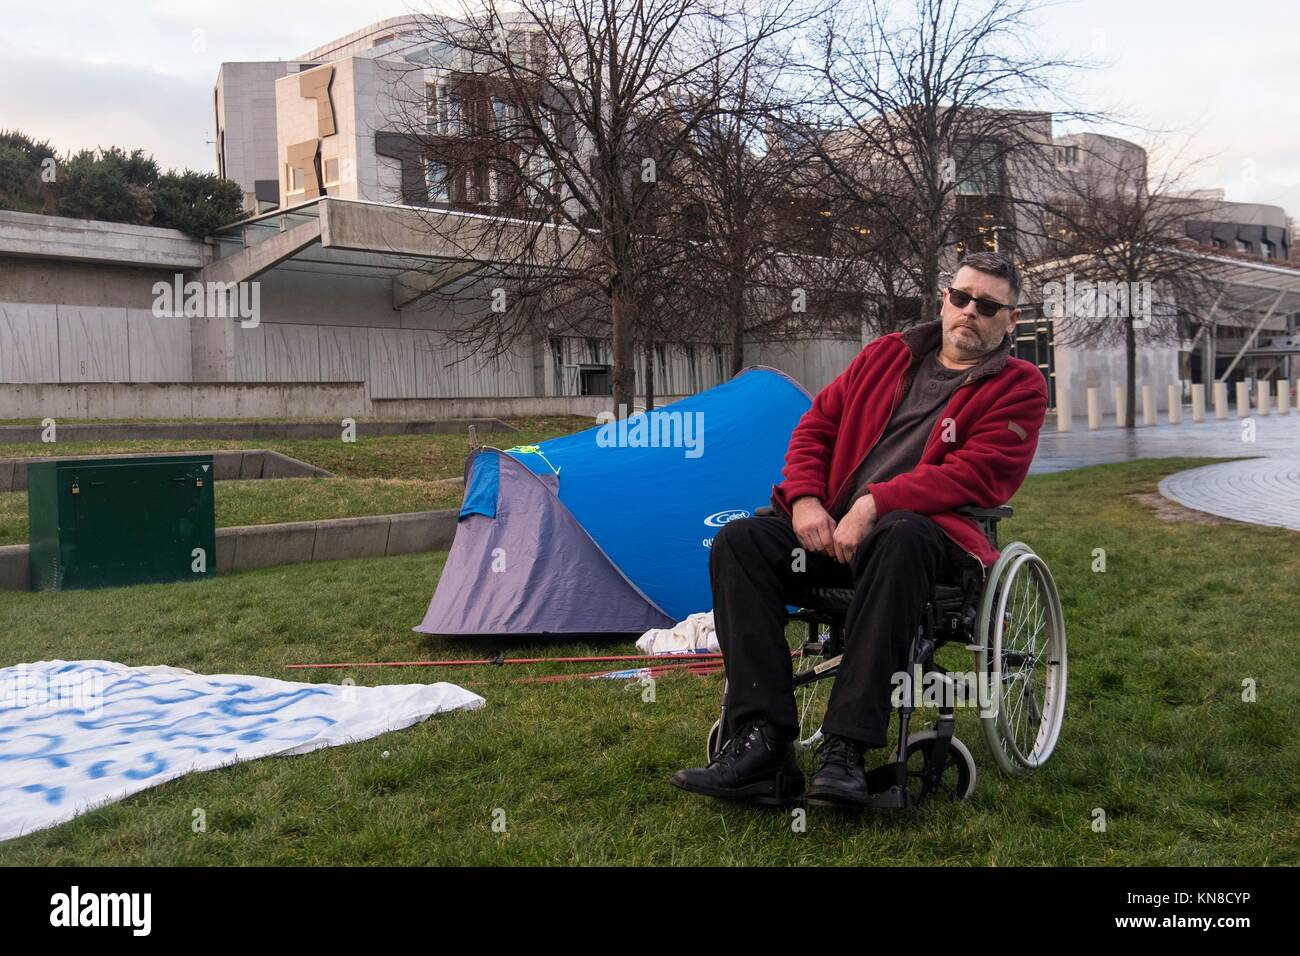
(695, 635)
(77, 735)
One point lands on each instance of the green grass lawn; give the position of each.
(384, 475)
(285, 499)
(415, 457)
(1156, 732)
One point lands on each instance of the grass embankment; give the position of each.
(383, 475)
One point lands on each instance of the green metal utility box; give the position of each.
(107, 522)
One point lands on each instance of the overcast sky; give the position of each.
(1220, 78)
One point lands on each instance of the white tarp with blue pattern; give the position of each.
(75, 735)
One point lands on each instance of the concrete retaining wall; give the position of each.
(184, 400)
(226, 466)
(585, 406)
(297, 542)
(286, 400)
(15, 568)
(15, 434)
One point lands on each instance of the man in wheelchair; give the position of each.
(920, 424)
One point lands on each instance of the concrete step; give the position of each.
(295, 542)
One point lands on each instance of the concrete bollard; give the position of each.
(1283, 396)
(1094, 408)
(1121, 407)
(1148, 405)
(1220, 399)
(1198, 402)
(1262, 389)
(1243, 400)
(1064, 411)
(1175, 404)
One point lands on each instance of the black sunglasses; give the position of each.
(985, 307)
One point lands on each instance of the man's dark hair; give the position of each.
(997, 264)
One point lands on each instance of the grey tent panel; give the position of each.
(532, 569)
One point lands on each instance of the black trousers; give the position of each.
(758, 566)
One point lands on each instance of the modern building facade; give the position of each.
(90, 326)
(346, 320)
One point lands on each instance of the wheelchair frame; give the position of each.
(973, 611)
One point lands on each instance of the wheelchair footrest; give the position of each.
(886, 780)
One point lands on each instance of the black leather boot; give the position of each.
(751, 766)
(841, 779)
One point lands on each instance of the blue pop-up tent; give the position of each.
(608, 530)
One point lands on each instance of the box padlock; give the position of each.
(76, 488)
(198, 482)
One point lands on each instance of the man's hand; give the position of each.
(853, 529)
(813, 525)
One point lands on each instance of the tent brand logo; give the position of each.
(653, 429)
(722, 517)
(103, 909)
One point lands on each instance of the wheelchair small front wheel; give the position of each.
(956, 779)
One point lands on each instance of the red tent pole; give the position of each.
(499, 661)
(705, 667)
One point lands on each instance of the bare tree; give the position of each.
(1117, 261)
(931, 120)
(562, 114)
(752, 206)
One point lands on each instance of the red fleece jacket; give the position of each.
(996, 416)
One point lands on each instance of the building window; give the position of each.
(501, 112)
(295, 180)
(330, 170)
(450, 115)
(494, 185)
(435, 179)
(442, 110)
(430, 108)
(1266, 249)
(1067, 156)
(1242, 245)
(538, 176)
(978, 171)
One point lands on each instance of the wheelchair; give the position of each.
(1012, 624)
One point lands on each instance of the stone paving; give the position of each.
(1275, 436)
(1258, 490)
(1261, 487)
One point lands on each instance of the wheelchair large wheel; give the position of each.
(956, 780)
(810, 702)
(1021, 654)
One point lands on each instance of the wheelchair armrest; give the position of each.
(764, 512)
(970, 511)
